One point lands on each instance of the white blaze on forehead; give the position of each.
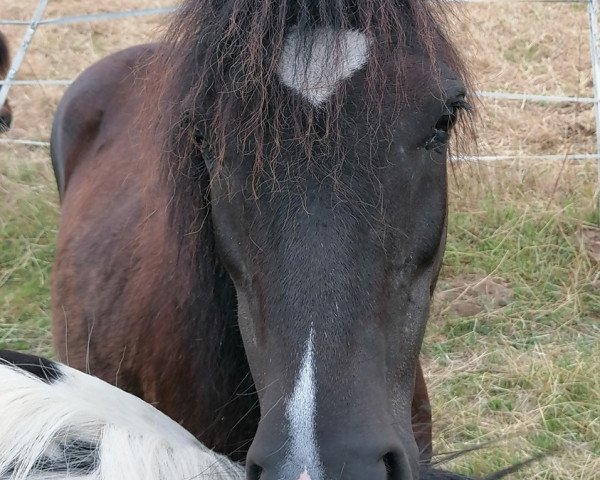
(300, 411)
(314, 66)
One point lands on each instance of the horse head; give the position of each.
(321, 135)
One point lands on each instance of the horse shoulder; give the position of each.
(103, 257)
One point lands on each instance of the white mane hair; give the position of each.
(78, 427)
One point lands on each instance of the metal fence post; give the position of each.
(595, 50)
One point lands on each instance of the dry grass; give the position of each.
(28, 216)
(530, 48)
(512, 349)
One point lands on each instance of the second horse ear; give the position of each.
(5, 110)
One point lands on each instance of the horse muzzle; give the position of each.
(374, 454)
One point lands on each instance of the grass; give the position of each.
(28, 218)
(520, 373)
(512, 352)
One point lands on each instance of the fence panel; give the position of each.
(38, 21)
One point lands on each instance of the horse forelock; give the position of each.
(220, 78)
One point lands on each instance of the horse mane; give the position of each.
(4, 56)
(215, 75)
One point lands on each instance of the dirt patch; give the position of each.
(588, 239)
(469, 295)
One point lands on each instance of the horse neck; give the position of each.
(210, 310)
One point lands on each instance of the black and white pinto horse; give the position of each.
(58, 423)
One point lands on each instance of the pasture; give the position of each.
(512, 352)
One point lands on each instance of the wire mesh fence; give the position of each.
(38, 21)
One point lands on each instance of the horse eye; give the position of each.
(441, 131)
(447, 120)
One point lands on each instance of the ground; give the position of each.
(512, 351)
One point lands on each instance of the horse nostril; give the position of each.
(393, 466)
(253, 471)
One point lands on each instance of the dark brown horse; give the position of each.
(253, 221)
(5, 110)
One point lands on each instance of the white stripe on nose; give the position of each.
(304, 475)
(300, 412)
